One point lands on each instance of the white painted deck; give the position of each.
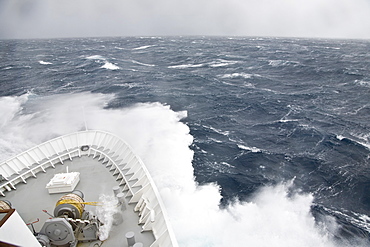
(108, 162)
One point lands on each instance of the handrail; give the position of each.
(136, 179)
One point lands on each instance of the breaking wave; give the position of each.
(237, 75)
(142, 47)
(274, 216)
(100, 59)
(44, 63)
(184, 66)
(144, 64)
(213, 64)
(111, 66)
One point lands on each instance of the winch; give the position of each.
(71, 225)
(4, 204)
(70, 205)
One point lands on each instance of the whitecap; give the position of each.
(287, 120)
(357, 219)
(252, 149)
(69, 84)
(218, 131)
(215, 65)
(237, 75)
(227, 164)
(276, 63)
(44, 63)
(144, 64)
(361, 139)
(96, 57)
(110, 66)
(340, 137)
(215, 140)
(363, 83)
(128, 85)
(221, 63)
(142, 47)
(334, 48)
(184, 66)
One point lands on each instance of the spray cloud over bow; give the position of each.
(155, 132)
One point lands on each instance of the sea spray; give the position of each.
(106, 213)
(12, 123)
(272, 217)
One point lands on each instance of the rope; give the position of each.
(68, 201)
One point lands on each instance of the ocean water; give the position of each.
(251, 141)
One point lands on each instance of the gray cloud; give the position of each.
(80, 18)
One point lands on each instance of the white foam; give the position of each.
(270, 218)
(106, 65)
(252, 149)
(184, 66)
(96, 57)
(357, 219)
(227, 164)
(276, 63)
(128, 85)
(362, 139)
(287, 120)
(340, 137)
(221, 63)
(237, 75)
(144, 64)
(363, 83)
(214, 140)
(105, 212)
(142, 47)
(222, 132)
(213, 64)
(44, 63)
(111, 66)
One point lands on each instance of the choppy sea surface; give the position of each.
(251, 141)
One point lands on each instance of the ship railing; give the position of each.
(112, 151)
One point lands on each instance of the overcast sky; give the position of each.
(91, 18)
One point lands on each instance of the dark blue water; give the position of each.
(262, 111)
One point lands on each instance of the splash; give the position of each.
(12, 123)
(106, 213)
(273, 217)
